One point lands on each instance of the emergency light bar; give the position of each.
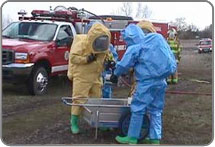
(36, 13)
(62, 14)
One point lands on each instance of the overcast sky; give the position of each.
(197, 13)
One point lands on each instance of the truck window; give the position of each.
(64, 32)
(205, 43)
(30, 30)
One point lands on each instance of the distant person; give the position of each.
(110, 62)
(174, 44)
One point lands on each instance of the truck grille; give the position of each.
(7, 56)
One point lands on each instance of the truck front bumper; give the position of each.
(16, 72)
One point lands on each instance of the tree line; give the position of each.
(190, 31)
(185, 31)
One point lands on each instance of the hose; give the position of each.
(187, 93)
(172, 92)
(93, 14)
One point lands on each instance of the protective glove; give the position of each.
(91, 58)
(114, 78)
(110, 65)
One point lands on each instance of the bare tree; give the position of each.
(143, 11)
(146, 12)
(192, 28)
(180, 23)
(207, 32)
(126, 9)
(115, 12)
(139, 9)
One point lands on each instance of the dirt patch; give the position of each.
(36, 120)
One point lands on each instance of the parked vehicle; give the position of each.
(205, 45)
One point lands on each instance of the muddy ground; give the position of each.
(36, 120)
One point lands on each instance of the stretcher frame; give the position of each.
(101, 112)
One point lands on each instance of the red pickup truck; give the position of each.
(34, 50)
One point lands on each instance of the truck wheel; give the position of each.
(124, 125)
(38, 81)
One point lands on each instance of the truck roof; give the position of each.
(46, 21)
(206, 39)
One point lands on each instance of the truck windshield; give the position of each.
(30, 30)
(205, 43)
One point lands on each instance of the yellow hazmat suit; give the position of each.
(144, 24)
(86, 77)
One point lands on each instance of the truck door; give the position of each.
(63, 42)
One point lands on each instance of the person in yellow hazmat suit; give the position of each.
(147, 27)
(86, 62)
(174, 44)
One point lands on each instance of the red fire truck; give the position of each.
(37, 47)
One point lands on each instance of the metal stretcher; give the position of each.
(107, 113)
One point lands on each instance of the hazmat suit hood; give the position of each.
(172, 34)
(132, 34)
(98, 31)
(81, 48)
(147, 25)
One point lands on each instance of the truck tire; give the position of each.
(38, 81)
(124, 124)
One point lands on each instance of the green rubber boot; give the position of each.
(175, 81)
(146, 141)
(126, 140)
(74, 124)
(154, 141)
(150, 141)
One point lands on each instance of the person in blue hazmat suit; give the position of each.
(153, 62)
(111, 60)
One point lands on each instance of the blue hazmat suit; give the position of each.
(107, 86)
(153, 61)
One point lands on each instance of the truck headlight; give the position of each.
(21, 57)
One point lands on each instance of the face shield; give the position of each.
(172, 35)
(101, 43)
